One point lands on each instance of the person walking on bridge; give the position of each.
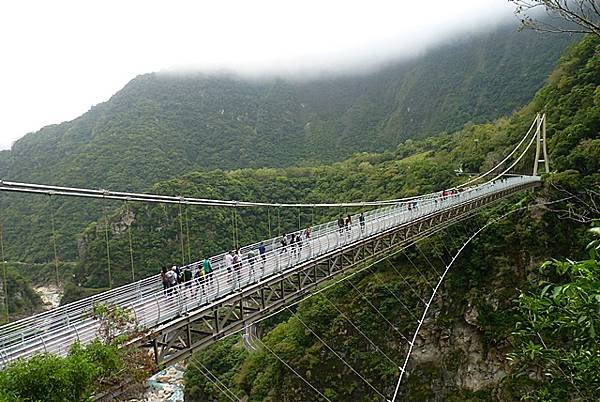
(187, 280)
(293, 243)
(208, 272)
(263, 254)
(348, 224)
(341, 225)
(307, 233)
(283, 242)
(229, 266)
(172, 279)
(199, 282)
(361, 221)
(251, 257)
(299, 244)
(179, 275)
(164, 279)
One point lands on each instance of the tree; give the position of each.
(582, 16)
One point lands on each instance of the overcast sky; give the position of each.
(61, 57)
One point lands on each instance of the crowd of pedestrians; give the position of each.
(198, 278)
(249, 264)
(192, 278)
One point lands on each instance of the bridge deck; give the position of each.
(197, 308)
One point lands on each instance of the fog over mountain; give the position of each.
(89, 51)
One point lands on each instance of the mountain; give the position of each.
(162, 125)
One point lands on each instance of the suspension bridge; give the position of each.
(195, 314)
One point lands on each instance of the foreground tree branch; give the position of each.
(582, 207)
(582, 16)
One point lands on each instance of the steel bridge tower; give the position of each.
(541, 150)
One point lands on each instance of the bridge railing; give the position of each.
(54, 331)
(140, 289)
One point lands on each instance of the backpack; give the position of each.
(207, 267)
(172, 277)
(187, 275)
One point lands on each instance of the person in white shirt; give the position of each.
(229, 266)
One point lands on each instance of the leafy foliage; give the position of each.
(51, 378)
(102, 364)
(557, 353)
(492, 269)
(113, 321)
(22, 299)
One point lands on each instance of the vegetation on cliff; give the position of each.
(556, 350)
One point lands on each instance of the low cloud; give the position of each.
(70, 55)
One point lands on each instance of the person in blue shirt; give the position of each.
(262, 251)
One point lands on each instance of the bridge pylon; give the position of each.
(541, 149)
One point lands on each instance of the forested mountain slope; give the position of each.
(414, 167)
(160, 125)
(463, 353)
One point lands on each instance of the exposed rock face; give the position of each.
(166, 385)
(471, 315)
(50, 294)
(123, 223)
(479, 370)
(83, 244)
(459, 353)
(117, 226)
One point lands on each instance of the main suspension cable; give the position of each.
(505, 159)
(441, 279)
